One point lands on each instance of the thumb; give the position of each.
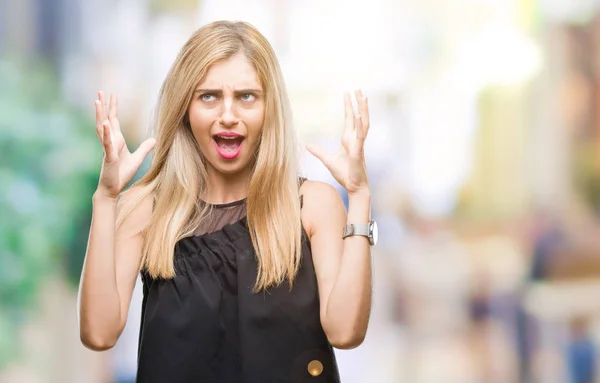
(319, 152)
(143, 150)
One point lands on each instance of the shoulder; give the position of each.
(317, 191)
(322, 205)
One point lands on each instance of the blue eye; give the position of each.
(208, 97)
(248, 97)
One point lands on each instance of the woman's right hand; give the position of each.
(119, 166)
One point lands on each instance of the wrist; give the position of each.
(359, 206)
(101, 196)
(362, 193)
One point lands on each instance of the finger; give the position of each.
(361, 135)
(107, 143)
(363, 107)
(349, 112)
(319, 152)
(142, 151)
(102, 99)
(99, 120)
(112, 113)
(361, 131)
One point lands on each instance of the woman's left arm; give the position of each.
(342, 266)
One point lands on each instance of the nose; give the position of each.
(228, 117)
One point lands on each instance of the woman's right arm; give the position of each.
(112, 260)
(110, 270)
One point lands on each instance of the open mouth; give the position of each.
(228, 146)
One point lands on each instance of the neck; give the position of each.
(226, 188)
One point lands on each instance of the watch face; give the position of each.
(374, 232)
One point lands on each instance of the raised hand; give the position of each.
(119, 165)
(347, 165)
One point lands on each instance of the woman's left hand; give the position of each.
(347, 165)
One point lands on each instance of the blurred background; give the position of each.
(484, 159)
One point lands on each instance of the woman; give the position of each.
(246, 275)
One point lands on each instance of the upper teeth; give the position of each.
(228, 137)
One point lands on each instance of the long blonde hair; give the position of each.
(177, 178)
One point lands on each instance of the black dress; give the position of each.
(206, 324)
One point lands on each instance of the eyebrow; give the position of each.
(237, 92)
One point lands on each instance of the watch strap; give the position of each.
(362, 229)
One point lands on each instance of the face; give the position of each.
(227, 114)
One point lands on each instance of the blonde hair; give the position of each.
(177, 177)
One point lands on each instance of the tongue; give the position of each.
(228, 145)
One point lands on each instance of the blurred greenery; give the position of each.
(49, 166)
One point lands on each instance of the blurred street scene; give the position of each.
(484, 160)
